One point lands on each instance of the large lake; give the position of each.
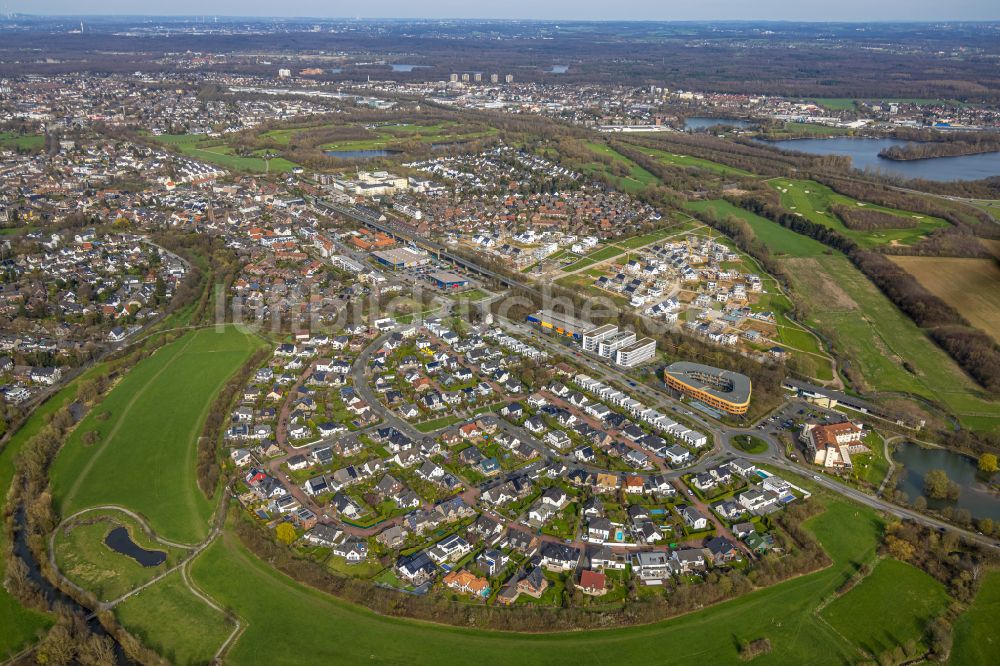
(864, 155)
(695, 124)
(918, 460)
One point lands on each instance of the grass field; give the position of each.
(637, 178)
(311, 626)
(84, 558)
(674, 159)
(976, 639)
(750, 444)
(10, 140)
(971, 286)
(889, 607)
(595, 257)
(780, 240)
(194, 631)
(871, 331)
(437, 424)
(835, 103)
(215, 151)
(813, 201)
(145, 457)
(386, 135)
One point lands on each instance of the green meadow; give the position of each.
(889, 607)
(169, 618)
(637, 177)
(9, 140)
(891, 352)
(813, 201)
(688, 161)
(216, 151)
(315, 627)
(144, 458)
(83, 557)
(976, 640)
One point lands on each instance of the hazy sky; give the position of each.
(795, 10)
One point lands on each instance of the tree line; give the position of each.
(858, 218)
(208, 464)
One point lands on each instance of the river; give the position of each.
(52, 594)
(974, 496)
(864, 155)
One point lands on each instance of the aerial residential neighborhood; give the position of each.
(637, 334)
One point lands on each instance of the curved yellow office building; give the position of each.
(718, 388)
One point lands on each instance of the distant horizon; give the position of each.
(783, 11)
(472, 19)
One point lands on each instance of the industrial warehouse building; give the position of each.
(402, 257)
(562, 324)
(721, 389)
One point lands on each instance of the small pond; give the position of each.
(558, 69)
(360, 154)
(120, 541)
(975, 495)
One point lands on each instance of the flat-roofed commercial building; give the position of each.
(448, 280)
(400, 257)
(609, 346)
(592, 339)
(718, 388)
(636, 353)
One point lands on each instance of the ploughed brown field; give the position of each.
(972, 286)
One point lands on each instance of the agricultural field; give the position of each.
(889, 607)
(971, 286)
(976, 640)
(688, 161)
(145, 449)
(637, 177)
(168, 617)
(83, 557)
(216, 151)
(813, 201)
(279, 611)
